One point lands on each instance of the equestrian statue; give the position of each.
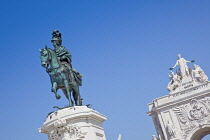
(58, 65)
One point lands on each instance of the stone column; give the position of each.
(74, 123)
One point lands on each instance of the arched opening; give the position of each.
(201, 133)
(207, 137)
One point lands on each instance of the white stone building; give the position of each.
(183, 114)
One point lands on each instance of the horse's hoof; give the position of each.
(70, 105)
(58, 96)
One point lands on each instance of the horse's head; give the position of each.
(44, 56)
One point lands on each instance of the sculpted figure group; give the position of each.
(183, 72)
(198, 74)
(175, 81)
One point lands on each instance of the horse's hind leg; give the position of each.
(68, 93)
(55, 89)
(65, 93)
(77, 97)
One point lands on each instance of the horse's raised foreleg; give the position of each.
(77, 97)
(68, 93)
(55, 89)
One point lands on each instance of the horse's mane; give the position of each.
(53, 54)
(49, 49)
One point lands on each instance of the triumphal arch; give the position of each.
(183, 114)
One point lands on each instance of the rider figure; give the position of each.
(64, 55)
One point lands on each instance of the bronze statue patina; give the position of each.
(58, 65)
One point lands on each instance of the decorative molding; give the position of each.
(189, 90)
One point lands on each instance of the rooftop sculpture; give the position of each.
(185, 74)
(62, 76)
(184, 70)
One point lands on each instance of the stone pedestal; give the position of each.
(74, 123)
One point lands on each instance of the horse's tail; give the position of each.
(77, 76)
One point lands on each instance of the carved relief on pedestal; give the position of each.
(54, 135)
(63, 131)
(192, 115)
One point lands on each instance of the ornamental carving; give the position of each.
(193, 115)
(170, 130)
(197, 111)
(63, 131)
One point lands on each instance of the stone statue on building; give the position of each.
(182, 63)
(58, 65)
(175, 80)
(199, 74)
(182, 76)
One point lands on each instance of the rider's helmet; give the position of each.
(56, 36)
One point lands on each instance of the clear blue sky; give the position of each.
(124, 49)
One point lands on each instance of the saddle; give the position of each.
(76, 75)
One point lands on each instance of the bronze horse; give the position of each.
(62, 77)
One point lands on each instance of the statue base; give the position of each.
(74, 123)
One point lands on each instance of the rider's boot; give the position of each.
(70, 75)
